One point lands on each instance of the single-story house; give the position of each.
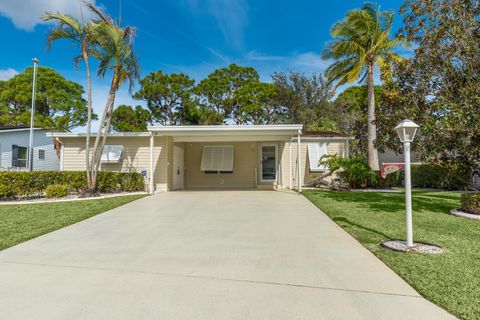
(14, 142)
(212, 157)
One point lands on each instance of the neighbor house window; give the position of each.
(217, 159)
(315, 153)
(112, 153)
(19, 156)
(41, 154)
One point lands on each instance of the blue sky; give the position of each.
(190, 36)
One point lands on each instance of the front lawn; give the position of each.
(452, 279)
(22, 222)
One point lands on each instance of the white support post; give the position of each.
(408, 194)
(347, 149)
(298, 162)
(290, 163)
(62, 155)
(152, 167)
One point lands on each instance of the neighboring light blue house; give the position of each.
(14, 149)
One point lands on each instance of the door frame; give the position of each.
(260, 152)
(175, 179)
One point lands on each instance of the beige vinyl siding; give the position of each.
(136, 156)
(244, 164)
(305, 174)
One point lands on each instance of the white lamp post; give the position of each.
(406, 131)
(32, 116)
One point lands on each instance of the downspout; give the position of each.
(152, 167)
(290, 163)
(298, 161)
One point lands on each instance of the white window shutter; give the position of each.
(315, 153)
(217, 158)
(112, 153)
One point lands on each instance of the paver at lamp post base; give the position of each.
(418, 246)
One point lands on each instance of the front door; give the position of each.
(178, 167)
(268, 163)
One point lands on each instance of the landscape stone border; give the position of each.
(400, 245)
(463, 214)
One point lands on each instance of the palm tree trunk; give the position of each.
(89, 117)
(372, 127)
(102, 133)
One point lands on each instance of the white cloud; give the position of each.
(256, 56)
(25, 14)
(7, 73)
(231, 17)
(311, 60)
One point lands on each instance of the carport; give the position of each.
(230, 157)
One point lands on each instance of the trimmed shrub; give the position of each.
(56, 191)
(356, 173)
(14, 184)
(438, 177)
(471, 202)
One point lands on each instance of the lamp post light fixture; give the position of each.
(32, 116)
(406, 131)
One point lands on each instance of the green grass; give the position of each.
(22, 222)
(452, 279)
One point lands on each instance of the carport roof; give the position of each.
(219, 130)
(284, 129)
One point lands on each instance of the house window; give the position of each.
(217, 159)
(41, 154)
(315, 153)
(19, 156)
(112, 153)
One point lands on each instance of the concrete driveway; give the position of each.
(204, 255)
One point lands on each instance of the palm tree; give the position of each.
(362, 41)
(114, 50)
(78, 32)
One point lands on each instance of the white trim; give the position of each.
(19, 129)
(260, 161)
(233, 138)
(112, 134)
(226, 130)
(322, 139)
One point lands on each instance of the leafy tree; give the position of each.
(58, 105)
(438, 87)
(168, 96)
(79, 33)
(352, 106)
(234, 92)
(255, 101)
(323, 124)
(127, 119)
(302, 99)
(362, 40)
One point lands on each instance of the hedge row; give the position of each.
(32, 183)
(437, 177)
